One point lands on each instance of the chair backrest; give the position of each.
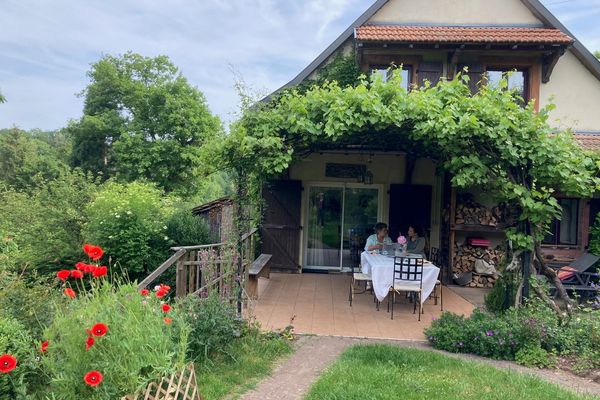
(408, 269)
(434, 256)
(584, 262)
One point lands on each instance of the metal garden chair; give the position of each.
(408, 277)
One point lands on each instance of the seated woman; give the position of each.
(379, 238)
(415, 244)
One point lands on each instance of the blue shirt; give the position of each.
(372, 241)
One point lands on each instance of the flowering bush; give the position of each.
(130, 222)
(528, 334)
(19, 369)
(111, 341)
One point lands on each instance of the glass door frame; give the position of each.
(306, 216)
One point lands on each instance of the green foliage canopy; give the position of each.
(486, 140)
(26, 158)
(142, 119)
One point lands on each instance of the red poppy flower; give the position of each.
(166, 307)
(167, 320)
(166, 288)
(99, 329)
(161, 293)
(144, 292)
(93, 252)
(100, 271)
(89, 342)
(44, 347)
(63, 274)
(93, 378)
(77, 274)
(70, 292)
(7, 363)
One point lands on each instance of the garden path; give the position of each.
(293, 377)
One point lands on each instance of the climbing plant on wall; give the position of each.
(485, 140)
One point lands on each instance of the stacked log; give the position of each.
(464, 261)
(475, 214)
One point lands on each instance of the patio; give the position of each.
(318, 304)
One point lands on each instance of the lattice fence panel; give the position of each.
(179, 386)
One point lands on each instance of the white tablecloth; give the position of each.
(381, 269)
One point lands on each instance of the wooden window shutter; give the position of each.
(475, 74)
(430, 71)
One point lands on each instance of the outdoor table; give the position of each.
(381, 269)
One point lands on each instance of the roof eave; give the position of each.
(580, 51)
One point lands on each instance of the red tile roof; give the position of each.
(588, 142)
(439, 34)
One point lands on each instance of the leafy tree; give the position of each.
(142, 119)
(28, 157)
(2, 98)
(597, 54)
(512, 152)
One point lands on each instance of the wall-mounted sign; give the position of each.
(353, 171)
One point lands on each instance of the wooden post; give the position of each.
(452, 235)
(180, 278)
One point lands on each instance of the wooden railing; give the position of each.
(202, 269)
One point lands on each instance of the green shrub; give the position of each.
(129, 222)
(46, 222)
(186, 229)
(215, 326)
(535, 356)
(594, 245)
(138, 347)
(520, 332)
(16, 341)
(501, 297)
(31, 301)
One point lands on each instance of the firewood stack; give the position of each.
(464, 261)
(471, 213)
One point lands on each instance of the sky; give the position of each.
(46, 47)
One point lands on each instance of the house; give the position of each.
(318, 215)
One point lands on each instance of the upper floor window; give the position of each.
(517, 80)
(386, 73)
(564, 232)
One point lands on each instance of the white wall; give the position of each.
(576, 94)
(455, 12)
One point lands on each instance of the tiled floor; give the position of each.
(318, 304)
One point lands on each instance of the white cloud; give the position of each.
(46, 46)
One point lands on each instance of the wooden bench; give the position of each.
(259, 268)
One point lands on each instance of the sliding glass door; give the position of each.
(339, 220)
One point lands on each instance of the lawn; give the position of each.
(391, 372)
(252, 358)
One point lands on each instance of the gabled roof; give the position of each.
(460, 34)
(535, 6)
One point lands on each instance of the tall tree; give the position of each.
(143, 120)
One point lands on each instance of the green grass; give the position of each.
(252, 358)
(391, 372)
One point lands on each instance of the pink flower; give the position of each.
(401, 240)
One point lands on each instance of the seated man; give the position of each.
(379, 238)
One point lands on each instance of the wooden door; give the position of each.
(409, 205)
(281, 227)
